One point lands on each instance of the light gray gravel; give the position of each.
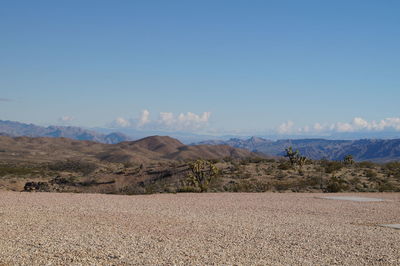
(353, 198)
(197, 229)
(394, 226)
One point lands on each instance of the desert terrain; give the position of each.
(160, 164)
(197, 229)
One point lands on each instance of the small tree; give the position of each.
(348, 160)
(292, 155)
(201, 173)
(295, 157)
(301, 161)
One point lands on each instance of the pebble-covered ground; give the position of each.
(197, 229)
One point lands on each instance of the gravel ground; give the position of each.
(199, 229)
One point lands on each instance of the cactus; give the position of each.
(301, 160)
(295, 157)
(201, 173)
(348, 159)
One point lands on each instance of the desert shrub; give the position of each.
(283, 185)
(256, 160)
(244, 162)
(243, 175)
(268, 171)
(170, 189)
(16, 170)
(311, 181)
(236, 167)
(247, 186)
(215, 161)
(229, 160)
(371, 174)
(64, 181)
(331, 166)
(335, 184)
(281, 175)
(387, 186)
(393, 168)
(355, 181)
(37, 186)
(189, 189)
(150, 189)
(284, 165)
(132, 190)
(128, 164)
(74, 166)
(365, 164)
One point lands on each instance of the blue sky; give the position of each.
(202, 66)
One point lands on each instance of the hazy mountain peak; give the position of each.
(16, 129)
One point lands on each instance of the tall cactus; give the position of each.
(295, 157)
(201, 173)
(292, 155)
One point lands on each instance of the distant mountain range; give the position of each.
(103, 135)
(17, 129)
(376, 150)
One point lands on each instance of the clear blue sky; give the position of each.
(252, 64)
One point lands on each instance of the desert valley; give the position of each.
(199, 132)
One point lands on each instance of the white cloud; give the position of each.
(66, 119)
(343, 127)
(121, 122)
(144, 118)
(194, 121)
(166, 121)
(358, 124)
(286, 127)
(189, 121)
(318, 127)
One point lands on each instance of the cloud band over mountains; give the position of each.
(166, 121)
(358, 124)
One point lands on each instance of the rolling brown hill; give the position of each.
(154, 148)
(163, 164)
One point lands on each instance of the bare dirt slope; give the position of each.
(154, 148)
(187, 229)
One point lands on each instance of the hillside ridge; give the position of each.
(377, 150)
